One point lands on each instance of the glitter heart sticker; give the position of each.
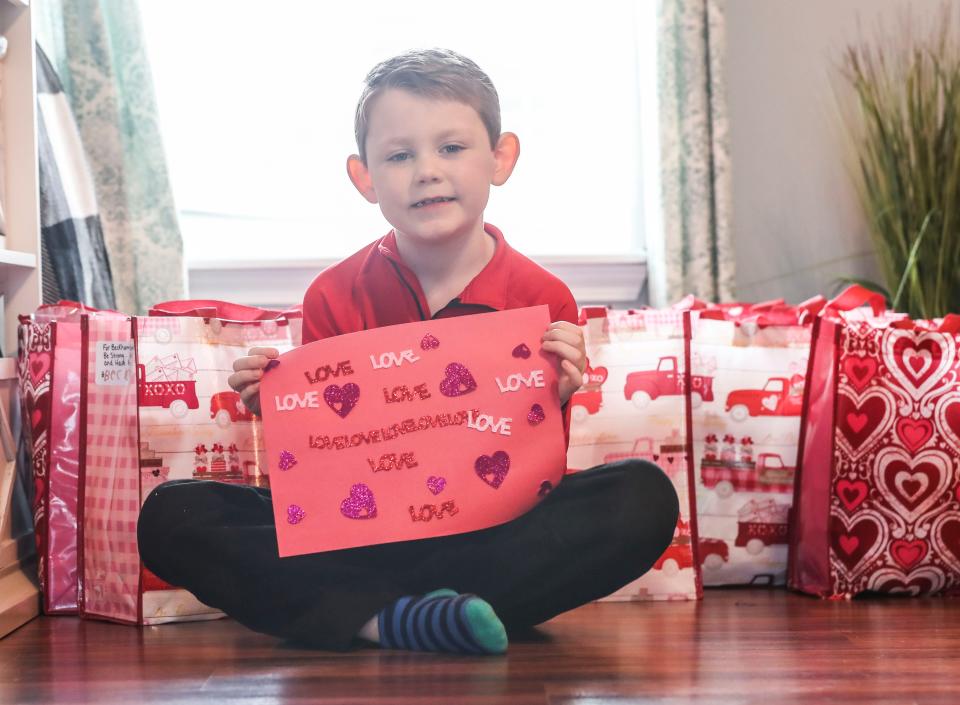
(342, 399)
(536, 415)
(521, 351)
(360, 504)
(295, 514)
(545, 488)
(436, 484)
(270, 365)
(429, 342)
(458, 381)
(287, 460)
(493, 469)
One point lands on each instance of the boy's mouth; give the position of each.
(430, 201)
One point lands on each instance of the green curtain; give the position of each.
(97, 47)
(697, 250)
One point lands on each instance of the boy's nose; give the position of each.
(427, 171)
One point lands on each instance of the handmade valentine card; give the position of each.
(412, 431)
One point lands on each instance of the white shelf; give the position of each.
(15, 258)
(19, 284)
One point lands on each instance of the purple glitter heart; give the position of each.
(287, 460)
(295, 514)
(429, 342)
(270, 365)
(360, 504)
(346, 397)
(521, 351)
(458, 381)
(436, 484)
(536, 415)
(545, 488)
(493, 469)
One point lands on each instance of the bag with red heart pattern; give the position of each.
(635, 404)
(49, 386)
(877, 503)
(157, 406)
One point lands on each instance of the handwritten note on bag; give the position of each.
(412, 431)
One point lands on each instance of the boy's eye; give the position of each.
(451, 148)
(399, 157)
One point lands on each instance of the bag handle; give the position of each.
(855, 296)
(224, 310)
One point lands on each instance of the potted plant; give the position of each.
(905, 122)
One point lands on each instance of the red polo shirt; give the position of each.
(374, 288)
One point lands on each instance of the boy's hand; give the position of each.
(565, 340)
(247, 373)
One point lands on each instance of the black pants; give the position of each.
(595, 532)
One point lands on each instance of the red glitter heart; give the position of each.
(360, 504)
(342, 399)
(493, 469)
(458, 381)
(287, 460)
(521, 351)
(429, 342)
(536, 415)
(436, 484)
(295, 514)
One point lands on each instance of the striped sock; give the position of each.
(442, 621)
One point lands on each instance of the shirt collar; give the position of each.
(489, 288)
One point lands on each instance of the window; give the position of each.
(256, 106)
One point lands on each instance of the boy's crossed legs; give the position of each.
(598, 530)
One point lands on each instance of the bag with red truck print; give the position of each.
(745, 436)
(634, 405)
(157, 407)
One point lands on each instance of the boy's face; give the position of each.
(429, 166)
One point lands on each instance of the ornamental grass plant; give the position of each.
(905, 122)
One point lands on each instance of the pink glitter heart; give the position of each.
(545, 488)
(493, 469)
(521, 351)
(458, 381)
(436, 484)
(287, 460)
(429, 342)
(346, 397)
(536, 415)
(295, 514)
(360, 504)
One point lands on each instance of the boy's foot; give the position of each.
(442, 621)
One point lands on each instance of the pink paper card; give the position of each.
(412, 431)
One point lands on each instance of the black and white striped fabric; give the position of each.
(73, 254)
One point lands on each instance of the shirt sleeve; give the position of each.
(318, 320)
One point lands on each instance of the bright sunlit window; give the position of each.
(257, 100)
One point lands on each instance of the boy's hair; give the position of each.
(432, 73)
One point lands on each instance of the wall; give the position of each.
(798, 223)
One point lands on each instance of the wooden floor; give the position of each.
(737, 646)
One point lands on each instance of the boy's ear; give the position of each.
(360, 176)
(506, 153)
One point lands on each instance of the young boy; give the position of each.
(430, 146)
